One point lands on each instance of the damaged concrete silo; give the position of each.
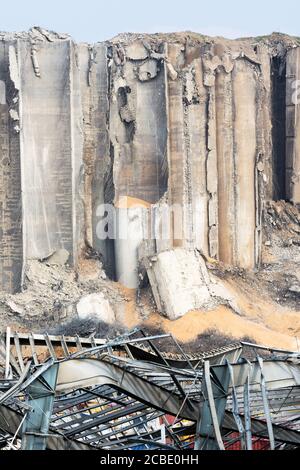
(178, 120)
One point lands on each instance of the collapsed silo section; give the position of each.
(138, 135)
(292, 169)
(11, 204)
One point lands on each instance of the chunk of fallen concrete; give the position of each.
(136, 51)
(58, 258)
(95, 306)
(172, 74)
(179, 281)
(15, 308)
(295, 289)
(220, 292)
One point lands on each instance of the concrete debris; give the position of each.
(35, 62)
(51, 292)
(171, 71)
(227, 63)
(95, 306)
(13, 67)
(14, 307)
(14, 115)
(38, 33)
(148, 70)
(136, 51)
(186, 286)
(59, 257)
(295, 289)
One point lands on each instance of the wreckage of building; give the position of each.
(181, 141)
(84, 393)
(208, 124)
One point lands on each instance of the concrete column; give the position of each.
(226, 167)
(176, 142)
(11, 204)
(51, 138)
(196, 122)
(293, 125)
(245, 146)
(98, 183)
(138, 134)
(132, 227)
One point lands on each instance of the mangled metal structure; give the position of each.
(124, 393)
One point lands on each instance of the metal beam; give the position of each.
(214, 391)
(266, 405)
(235, 407)
(40, 394)
(76, 373)
(10, 421)
(247, 415)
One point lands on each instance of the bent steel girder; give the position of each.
(40, 394)
(259, 429)
(129, 391)
(10, 421)
(231, 353)
(214, 392)
(77, 373)
(135, 348)
(277, 374)
(155, 396)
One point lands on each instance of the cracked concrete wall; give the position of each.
(45, 142)
(164, 119)
(47, 147)
(11, 230)
(97, 161)
(219, 149)
(138, 135)
(137, 125)
(244, 89)
(293, 126)
(217, 102)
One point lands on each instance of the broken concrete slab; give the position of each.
(14, 307)
(295, 289)
(179, 281)
(59, 257)
(136, 51)
(148, 70)
(96, 306)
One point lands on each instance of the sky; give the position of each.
(98, 20)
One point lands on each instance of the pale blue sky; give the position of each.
(97, 20)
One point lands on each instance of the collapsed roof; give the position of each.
(125, 393)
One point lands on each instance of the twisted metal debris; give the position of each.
(61, 392)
